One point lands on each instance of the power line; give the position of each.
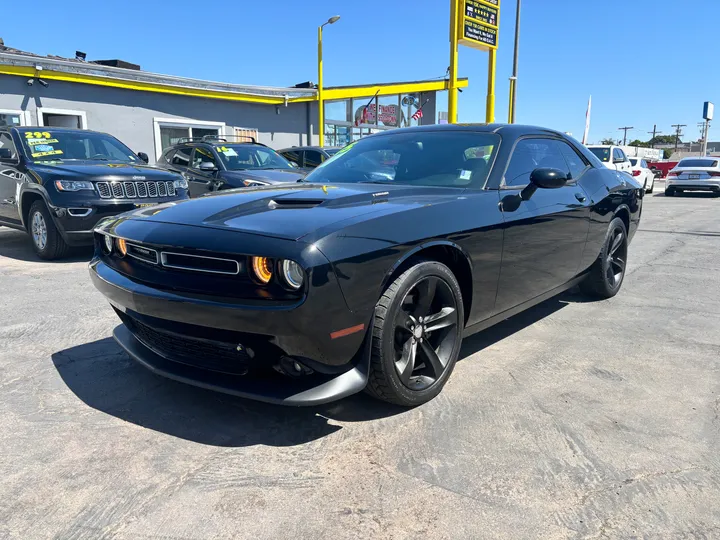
(625, 129)
(678, 133)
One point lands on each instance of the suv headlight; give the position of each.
(73, 185)
(253, 183)
(180, 183)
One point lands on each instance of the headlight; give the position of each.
(262, 266)
(108, 243)
(293, 274)
(73, 185)
(122, 246)
(253, 183)
(180, 183)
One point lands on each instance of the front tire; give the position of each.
(608, 272)
(417, 335)
(652, 185)
(46, 239)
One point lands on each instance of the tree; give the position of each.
(638, 142)
(608, 141)
(663, 139)
(667, 153)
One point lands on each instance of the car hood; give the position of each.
(102, 170)
(294, 211)
(269, 176)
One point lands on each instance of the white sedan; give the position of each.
(642, 173)
(694, 174)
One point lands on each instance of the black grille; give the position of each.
(171, 189)
(141, 189)
(162, 189)
(130, 190)
(204, 354)
(117, 190)
(104, 190)
(152, 189)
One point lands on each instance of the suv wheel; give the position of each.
(46, 239)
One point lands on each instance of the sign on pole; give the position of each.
(478, 23)
(708, 110)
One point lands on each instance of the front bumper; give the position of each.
(693, 185)
(337, 367)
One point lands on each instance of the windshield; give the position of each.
(75, 145)
(698, 163)
(237, 157)
(419, 158)
(603, 154)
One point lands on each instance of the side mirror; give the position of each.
(207, 166)
(143, 157)
(6, 155)
(618, 160)
(544, 178)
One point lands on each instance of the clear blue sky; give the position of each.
(645, 62)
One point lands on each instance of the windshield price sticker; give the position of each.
(37, 135)
(35, 142)
(48, 153)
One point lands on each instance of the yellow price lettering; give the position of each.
(37, 135)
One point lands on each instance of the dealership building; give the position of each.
(150, 111)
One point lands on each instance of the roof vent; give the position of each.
(117, 63)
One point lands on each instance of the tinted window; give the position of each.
(643, 164)
(182, 157)
(633, 162)
(603, 154)
(167, 156)
(293, 157)
(698, 163)
(531, 154)
(576, 163)
(422, 158)
(313, 158)
(250, 156)
(618, 154)
(7, 142)
(203, 155)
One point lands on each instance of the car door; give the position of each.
(178, 160)
(200, 181)
(544, 236)
(10, 178)
(313, 159)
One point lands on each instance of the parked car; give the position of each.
(213, 163)
(57, 183)
(694, 174)
(643, 174)
(305, 293)
(308, 157)
(613, 157)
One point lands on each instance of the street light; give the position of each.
(321, 103)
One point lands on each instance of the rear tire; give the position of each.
(417, 335)
(608, 272)
(46, 239)
(669, 192)
(652, 185)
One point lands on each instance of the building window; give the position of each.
(10, 118)
(61, 118)
(169, 131)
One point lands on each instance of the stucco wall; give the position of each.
(129, 114)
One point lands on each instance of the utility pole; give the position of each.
(625, 129)
(513, 79)
(678, 133)
(655, 133)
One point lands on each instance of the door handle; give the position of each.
(580, 197)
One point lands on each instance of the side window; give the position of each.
(618, 154)
(203, 155)
(643, 164)
(167, 156)
(530, 154)
(182, 157)
(6, 142)
(293, 157)
(313, 158)
(575, 162)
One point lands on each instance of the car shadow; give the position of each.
(689, 195)
(102, 375)
(17, 245)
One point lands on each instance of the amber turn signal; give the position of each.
(262, 266)
(122, 246)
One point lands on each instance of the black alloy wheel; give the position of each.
(417, 335)
(426, 327)
(608, 272)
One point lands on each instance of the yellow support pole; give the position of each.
(511, 111)
(490, 108)
(452, 87)
(321, 103)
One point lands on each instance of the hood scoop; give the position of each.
(285, 203)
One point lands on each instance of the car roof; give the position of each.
(515, 130)
(319, 148)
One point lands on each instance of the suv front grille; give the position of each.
(132, 190)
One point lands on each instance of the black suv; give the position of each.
(57, 183)
(212, 163)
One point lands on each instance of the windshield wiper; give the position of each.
(377, 182)
(100, 159)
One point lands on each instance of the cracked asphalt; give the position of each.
(573, 420)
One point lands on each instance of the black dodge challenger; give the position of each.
(357, 278)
